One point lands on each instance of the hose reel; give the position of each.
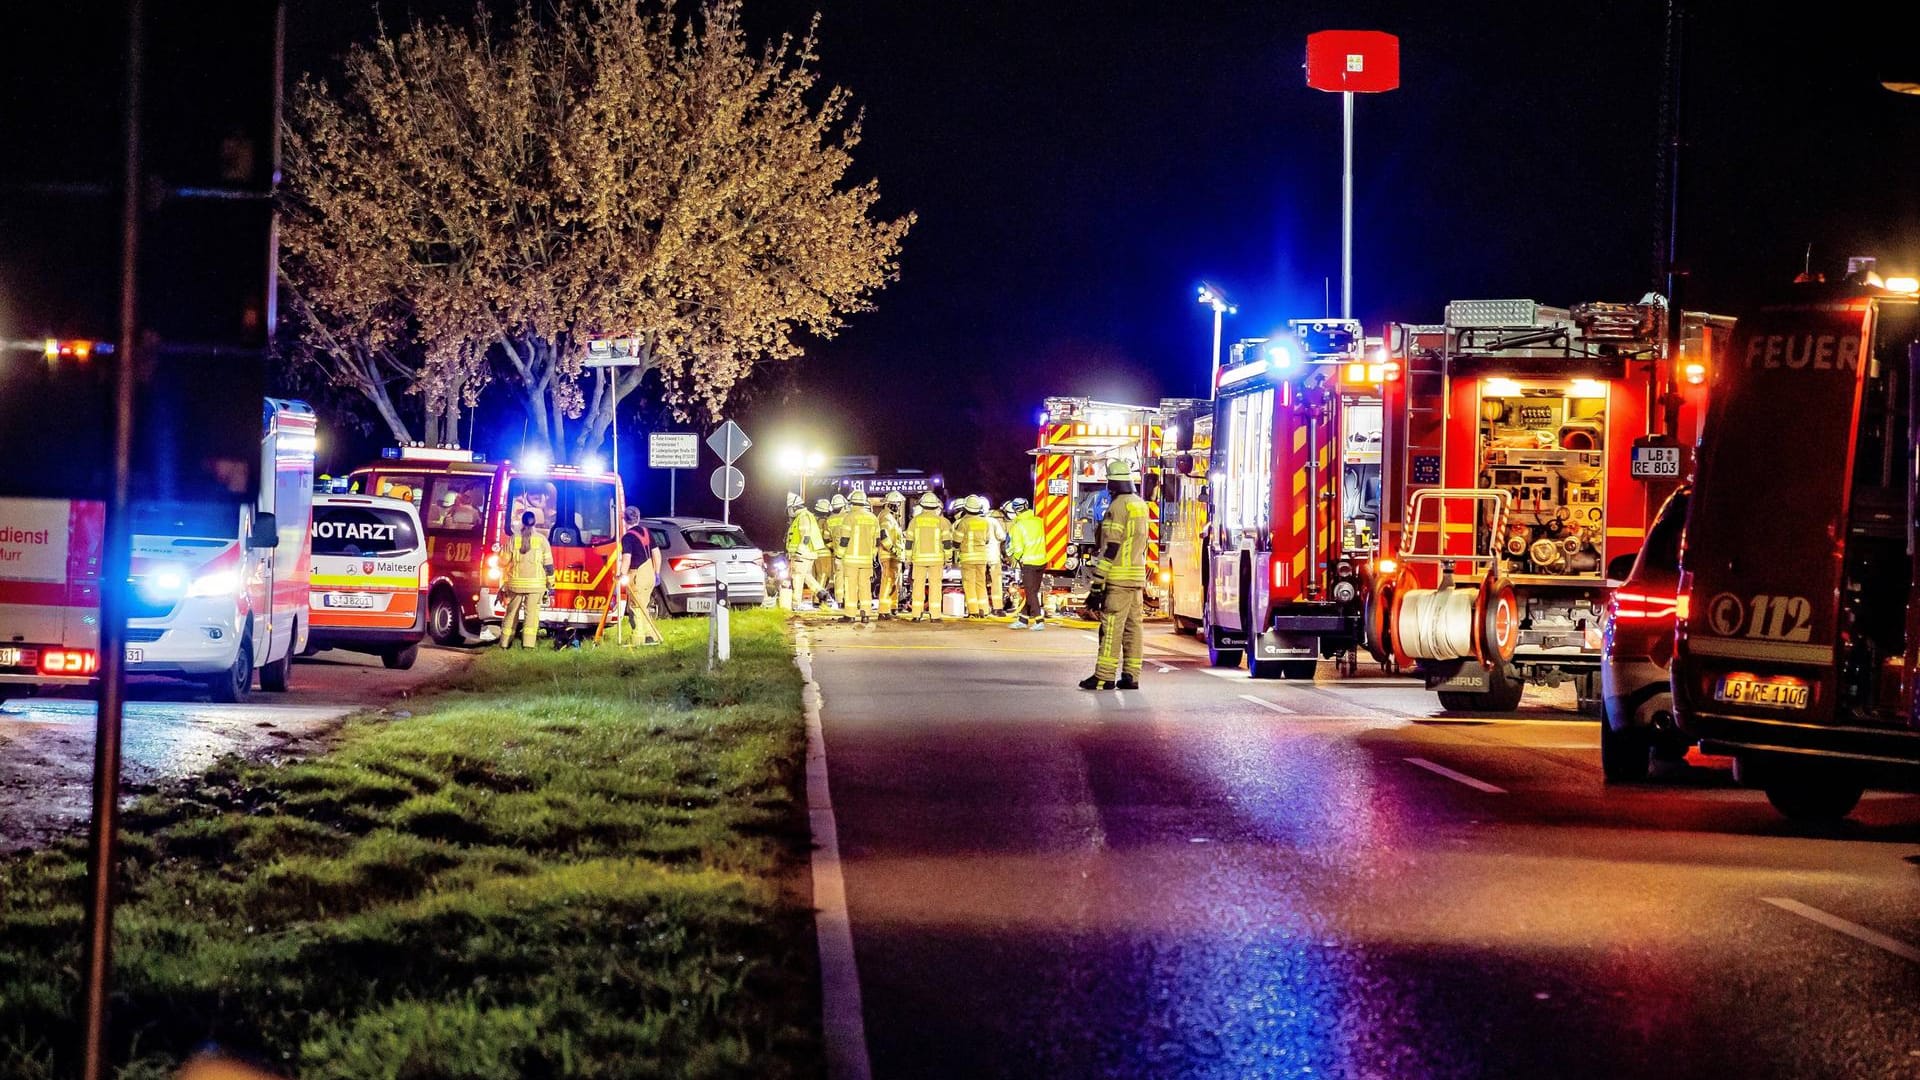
(1405, 623)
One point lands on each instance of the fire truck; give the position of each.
(1187, 436)
(1520, 471)
(1078, 437)
(1295, 450)
(471, 507)
(1798, 609)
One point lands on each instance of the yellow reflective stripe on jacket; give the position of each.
(927, 536)
(1027, 540)
(859, 531)
(527, 571)
(1122, 558)
(974, 535)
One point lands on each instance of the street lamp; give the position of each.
(797, 462)
(1216, 300)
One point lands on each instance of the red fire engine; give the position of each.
(1295, 452)
(1520, 473)
(1078, 436)
(1799, 609)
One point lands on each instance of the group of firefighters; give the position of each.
(868, 558)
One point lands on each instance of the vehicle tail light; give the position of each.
(493, 567)
(688, 564)
(1682, 604)
(1390, 371)
(1278, 576)
(1628, 604)
(69, 662)
(426, 574)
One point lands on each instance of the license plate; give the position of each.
(349, 600)
(134, 655)
(1783, 693)
(11, 657)
(700, 603)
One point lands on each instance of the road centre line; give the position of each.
(1265, 704)
(1852, 929)
(842, 1025)
(1442, 770)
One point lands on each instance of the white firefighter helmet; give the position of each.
(976, 504)
(794, 502)
(929, 501)
(839, 503)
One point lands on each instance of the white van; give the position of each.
(369, 581)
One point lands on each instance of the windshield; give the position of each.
(207, 520)
(716, 538)
(362, 530)
(571, 512)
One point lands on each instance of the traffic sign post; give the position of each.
(729, 441)
(673, 451)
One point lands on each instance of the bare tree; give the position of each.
(473, 202)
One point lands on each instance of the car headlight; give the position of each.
(218, 583)
(163, 584)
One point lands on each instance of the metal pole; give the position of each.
(1346, 205)
(673, 492)
(104, 833)
(1215, 380)
(1669, 388)
(615, 423)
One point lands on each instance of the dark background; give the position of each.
(1079, 167)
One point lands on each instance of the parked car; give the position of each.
(695, 553)
(1637, 653)
(370, 578)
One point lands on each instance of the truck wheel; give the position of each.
(1299, 670)
(234, 684)
(1266, 669)
(401, 659)
(1812, 795)
(443, 619)
(1624, 754)
(1504, 696)
(1184, 626)
(276, 674)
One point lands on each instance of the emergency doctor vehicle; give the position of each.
(369, 582)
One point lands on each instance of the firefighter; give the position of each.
(1027, 547)
(803, 547)
(643, 570)
(830, 528)
(996, 561)
(1119, 583)
(973, 534)
(822, 557)
(893, 543)
(928, 538)
(853, 546)
(529, 576)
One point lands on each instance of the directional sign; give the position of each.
(728, 482)
(729, 442)
(673, 450)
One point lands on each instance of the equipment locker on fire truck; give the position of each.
(1078, 436)
(1512, 493)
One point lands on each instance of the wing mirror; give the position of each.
(266, 533)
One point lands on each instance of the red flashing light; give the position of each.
(1636, 606)
(1279, 576)
(1390, 371)
(69, 662)
(1694, 372)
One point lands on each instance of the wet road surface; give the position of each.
(171, 731)
(1219, 877)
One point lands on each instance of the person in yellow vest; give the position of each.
(854, 543)
(974, 534)
(1119, 584)
(804, 545)
(928, 538)
(830, 528)
(1027, 547)
(893, 544)
(823, 558)
(529, 576)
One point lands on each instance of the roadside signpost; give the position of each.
(673, 451)
(729, 441)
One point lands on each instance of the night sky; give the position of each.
(1079, 167)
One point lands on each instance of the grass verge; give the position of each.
(569, 863)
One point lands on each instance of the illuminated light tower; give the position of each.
(1350, 62)
(1216, 300)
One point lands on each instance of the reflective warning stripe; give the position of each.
(1055, 511)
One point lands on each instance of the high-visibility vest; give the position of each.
(927, 537)
(973, 533)
(857, 536)
(830, 529)
(893, 540)
(1122, 556)
(803, 536)
(1027, 539)
(527, 571)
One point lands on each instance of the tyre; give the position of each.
(234, 684)
(1625, 755)
(401, 659)
(276, 674)
(1299, 670)
(1184, 626)
(657, 608)
(1266, 669)
(1812, 795)
(443, 619)
(1503, 696)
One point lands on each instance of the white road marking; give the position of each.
(840, 1010)
(1477, 785)
(1164, 669)
(1265, 704)
(1852, 929)
(1223, 673)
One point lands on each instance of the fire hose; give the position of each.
(1436, 625)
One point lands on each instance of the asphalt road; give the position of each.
(1218, 877)
(171, 731)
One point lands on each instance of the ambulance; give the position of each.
(469, 507)
(369, 583)
(218, 591)
(1798, 610)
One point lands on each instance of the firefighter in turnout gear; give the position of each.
(836, 568)
(1119, 583)
(1027, 547)
(529, 576)
(893, 545)
(853, 545)
(928, 537)
(822, 558)
(973, 533)
(804, 545)
(996, 554)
